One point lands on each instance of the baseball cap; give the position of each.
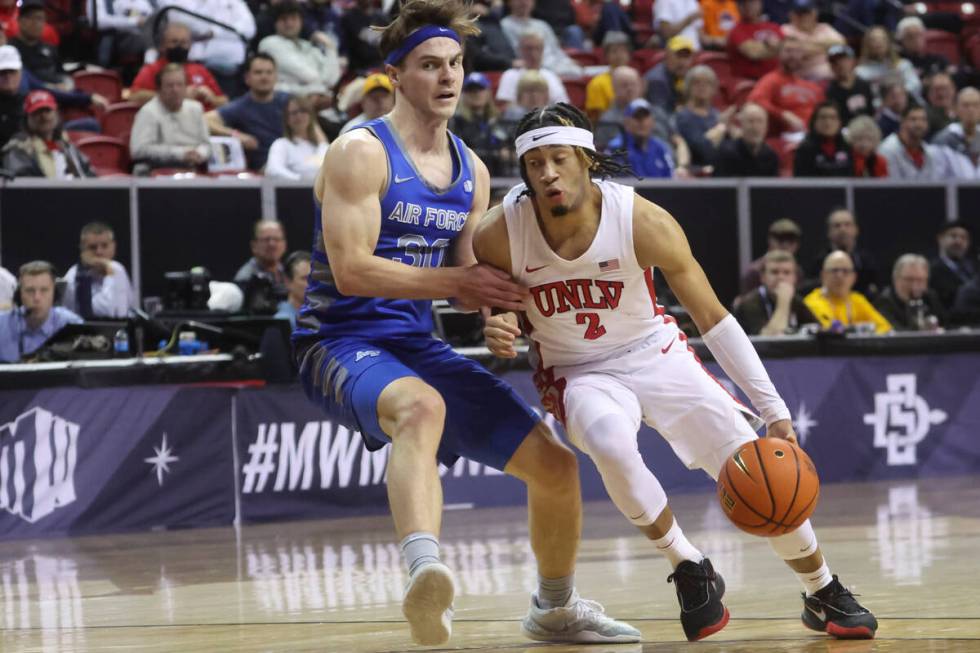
(802, 5)
(680, 42)
(10, 58)
(785, 227)
(37, 100)
(478, 80)
(377, 80)
(840, 50)
(637, 106)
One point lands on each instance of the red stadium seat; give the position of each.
(740, 91)
(74, 113)
(104, 82)
(717, 61)
(576, 91)
(643, 32)
(944, 43)
(645, 58)
(76, 136)
(642, 11)
(972, 47)
(584, 57)
(118, 119)
(494, 77)
(108, 155)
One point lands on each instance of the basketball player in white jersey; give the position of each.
(608, 356)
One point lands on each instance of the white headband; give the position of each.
(557, 135)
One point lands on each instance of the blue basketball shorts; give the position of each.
(486, 420)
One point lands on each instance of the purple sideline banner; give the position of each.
(87, 461)
(858, 418)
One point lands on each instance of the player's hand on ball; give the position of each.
(485, 285)
(499, 333)
(782, 429)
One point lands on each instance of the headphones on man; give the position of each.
(40, 267)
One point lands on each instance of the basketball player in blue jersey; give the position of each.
(400, 196)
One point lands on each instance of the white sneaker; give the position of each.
(428, 604)
(580, 620)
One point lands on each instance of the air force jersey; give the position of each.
(590, 309)
(418, 226)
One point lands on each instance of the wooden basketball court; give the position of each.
(907, 547)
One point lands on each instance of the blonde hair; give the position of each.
(891, 55)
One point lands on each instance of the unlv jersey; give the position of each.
(590, 309)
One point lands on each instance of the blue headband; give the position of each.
(416, 38)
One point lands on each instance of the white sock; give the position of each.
(814, 581)
(676, 547)
(419, 549)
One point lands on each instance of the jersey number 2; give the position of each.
(595, 330)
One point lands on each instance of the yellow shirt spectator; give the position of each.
(598, 95)
(849, 312)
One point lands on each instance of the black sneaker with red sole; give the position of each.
(835, 611)
(699, 591)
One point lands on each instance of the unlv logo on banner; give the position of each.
(37, 464)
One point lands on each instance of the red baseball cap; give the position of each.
(36, 100)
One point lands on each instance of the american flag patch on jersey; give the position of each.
(609, 266)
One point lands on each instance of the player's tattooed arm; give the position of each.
(660, 242)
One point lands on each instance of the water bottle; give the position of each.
(187, 344)
(120, 343)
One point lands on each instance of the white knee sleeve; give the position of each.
(799, 544)
(611, 443)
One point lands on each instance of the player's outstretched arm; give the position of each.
(659, 241)
(491, 246)
(352, 176)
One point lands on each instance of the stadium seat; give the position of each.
(77, 136)
(108, 155)
(646, 58)
(74, 113)
(494, 77)
(104, 82)
(740, 91)
(576, 91)
(972, 48)
(643, 32)
(118, 119)
(642, 11)
(584, 57)
(944, 43)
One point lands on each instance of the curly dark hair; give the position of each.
(567, 115)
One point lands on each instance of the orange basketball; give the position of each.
(768, 487)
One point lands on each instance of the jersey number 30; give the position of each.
(421, 252)
(594, 330)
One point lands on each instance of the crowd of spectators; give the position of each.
(844, 289)
(676, 88)
(847, 91)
